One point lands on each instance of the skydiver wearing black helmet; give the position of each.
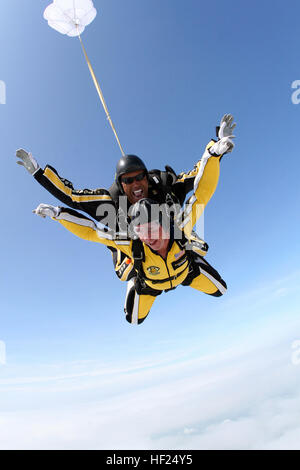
(159, 260)
(132, 180)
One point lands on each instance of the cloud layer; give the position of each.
(238, 399)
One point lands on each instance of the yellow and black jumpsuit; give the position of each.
(179, 267)
(93, 201)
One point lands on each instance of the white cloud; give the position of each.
(265, 293)
(244, 397)
(240, 399)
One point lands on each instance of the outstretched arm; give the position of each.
(84, 227)
(86, 200)
(207, 175)
(185, 180)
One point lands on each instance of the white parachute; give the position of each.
(70, 16)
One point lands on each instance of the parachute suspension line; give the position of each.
(100, 95)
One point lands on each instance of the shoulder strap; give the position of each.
(170, 175)
(114, 192)
(138, 256)
(163, 181)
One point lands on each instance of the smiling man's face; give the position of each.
(153, 235)
(135, 190)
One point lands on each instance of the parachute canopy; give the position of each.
(70, 16)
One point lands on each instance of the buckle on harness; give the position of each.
(139, 257)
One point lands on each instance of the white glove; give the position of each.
(224, 145)
(45, 210)
(226, 126)
(27, 161)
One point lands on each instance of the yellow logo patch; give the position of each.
(153, 270)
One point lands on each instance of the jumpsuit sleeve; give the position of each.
(87, 200)
(185, 180)
(206, 178)
(86, 229)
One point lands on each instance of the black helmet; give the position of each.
(141, 211)
(147, 210)
(126, 164)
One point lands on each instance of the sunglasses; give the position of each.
(131, 179)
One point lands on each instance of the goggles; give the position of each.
(131, 179)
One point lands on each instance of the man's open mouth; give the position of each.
(138, 193)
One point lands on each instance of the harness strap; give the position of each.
(161, 281)
(138, 257)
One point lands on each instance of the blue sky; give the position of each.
(169, 71)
